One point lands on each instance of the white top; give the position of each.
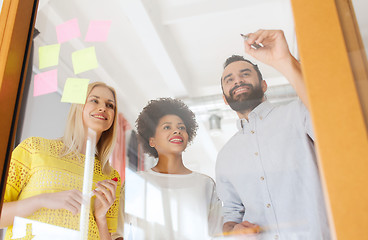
(267, 174)
(171, 206)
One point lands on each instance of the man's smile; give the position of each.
(241, 89)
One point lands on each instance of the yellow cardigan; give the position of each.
(36, 167)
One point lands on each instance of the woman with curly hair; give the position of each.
(169, 201)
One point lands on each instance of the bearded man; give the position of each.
(267, 173)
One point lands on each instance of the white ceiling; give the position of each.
(171, 48)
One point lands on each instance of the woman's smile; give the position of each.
(176, 140)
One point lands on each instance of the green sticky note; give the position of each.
(84, 60)
(75, 90)
(48, 56)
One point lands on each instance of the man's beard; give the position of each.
(245, 101)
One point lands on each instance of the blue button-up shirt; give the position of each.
(267, 174)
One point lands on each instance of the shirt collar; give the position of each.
(260, 112)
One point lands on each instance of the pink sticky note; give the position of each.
(45, 83)
(98, 31)
(68, 30)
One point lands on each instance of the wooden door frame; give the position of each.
(17, 21)
(334, 74)
(356, 52)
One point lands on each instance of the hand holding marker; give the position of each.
(254, 45)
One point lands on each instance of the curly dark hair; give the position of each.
(151, 114)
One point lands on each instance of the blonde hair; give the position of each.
(74, 135)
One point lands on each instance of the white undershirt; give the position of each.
(171, 206)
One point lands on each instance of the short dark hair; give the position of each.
(151, 114)
(236, 58)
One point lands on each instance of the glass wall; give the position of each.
(151, 49)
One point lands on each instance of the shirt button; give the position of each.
(276, 236)
(262, 178)
(268, 205)
(252, 132)
(256, 153)
(260, 117)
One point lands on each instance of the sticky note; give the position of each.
(98, 31)
(68, 30)
(75, 90)
(84, 60)
(48, 56)
(45, 83)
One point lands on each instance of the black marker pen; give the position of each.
(254, 45)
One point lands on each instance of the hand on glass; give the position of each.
(105, 197)
(246, 227)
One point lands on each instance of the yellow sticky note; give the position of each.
(75, 90)
(48, 56)
(84, 60)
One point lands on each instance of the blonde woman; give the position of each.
(45, 176)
